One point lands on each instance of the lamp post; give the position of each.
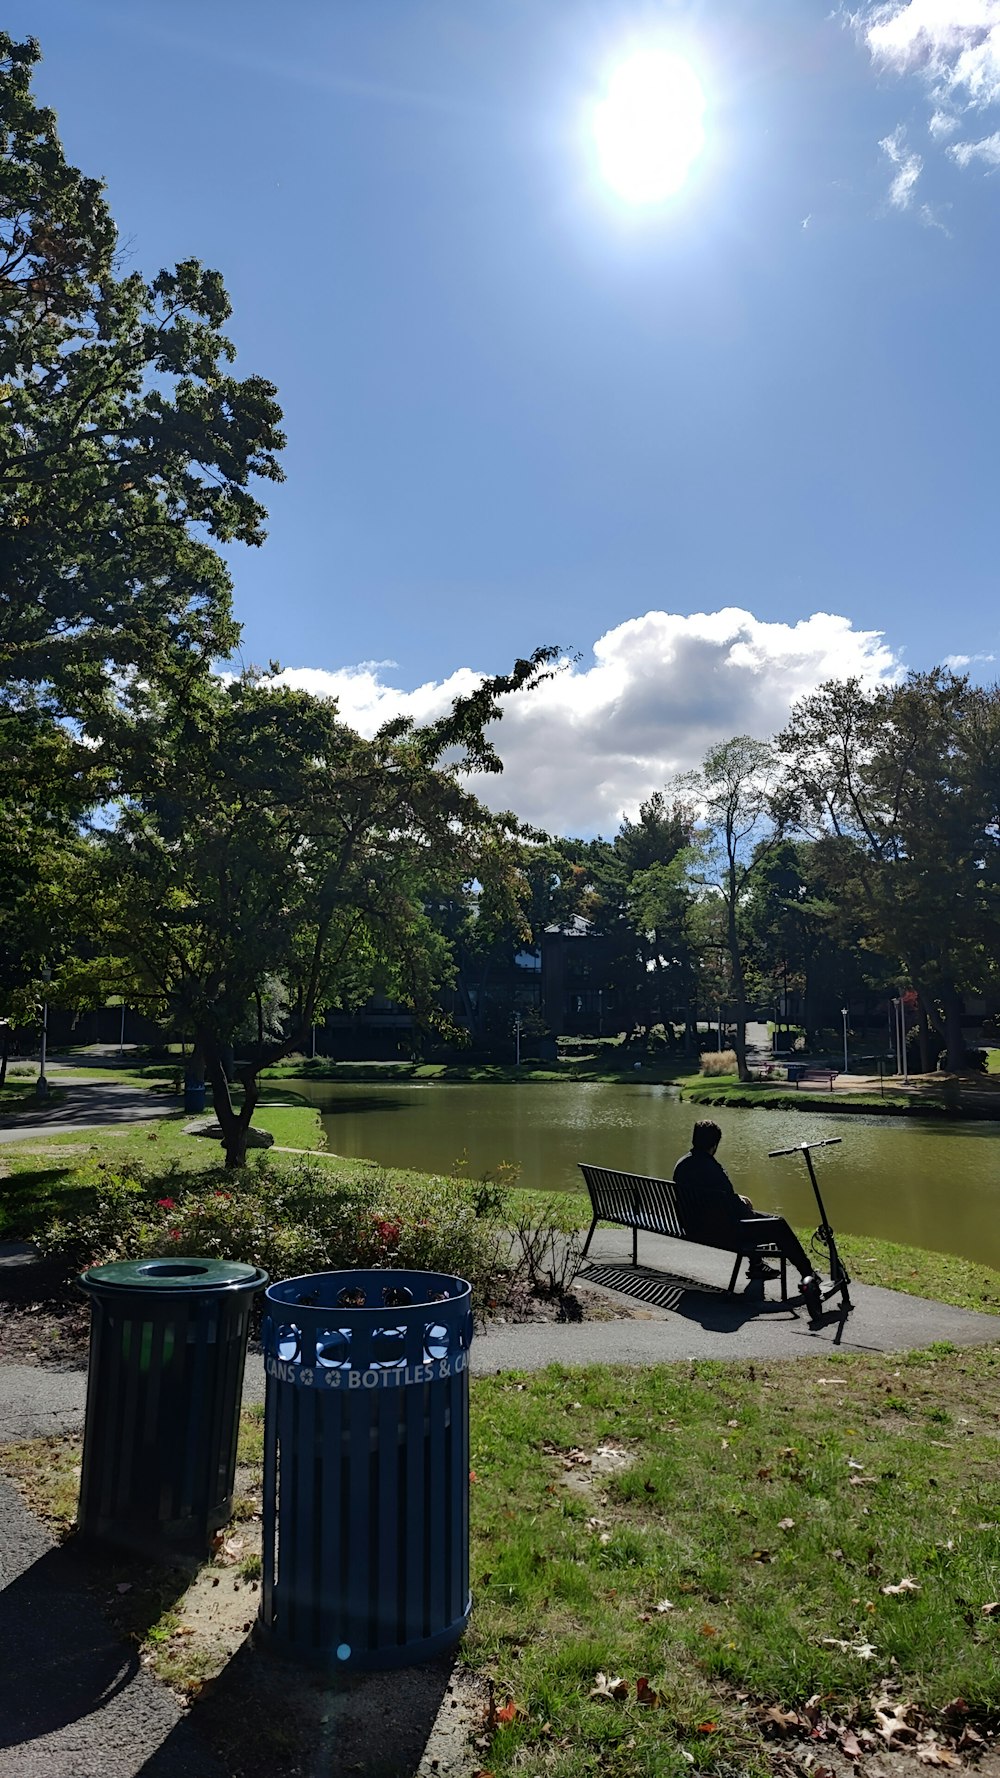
(42, 1085)
(517, 1040)
(843, 1014)
(313, 1050)
(121, 1036)
(902, 1039)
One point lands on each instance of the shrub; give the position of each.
(292, 1220)
(716, 1062)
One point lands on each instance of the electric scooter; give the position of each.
(839, 1277)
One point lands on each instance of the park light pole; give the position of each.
(902, 1038)
(843, 1014)
(121, 1037)
(517, 1040)
(42, 1085)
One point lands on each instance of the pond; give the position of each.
(922, 1182)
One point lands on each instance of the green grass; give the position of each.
(738, 1506)
(730, 1547)
(20, 1095)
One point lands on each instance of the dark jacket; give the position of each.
(717, 1202)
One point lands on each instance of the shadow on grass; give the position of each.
(30, 1198)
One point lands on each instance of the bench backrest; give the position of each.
(657, 1205)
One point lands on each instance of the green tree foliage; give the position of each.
(127, 447)
(904, 778)
(292, 866)
(745, 810)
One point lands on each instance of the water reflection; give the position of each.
(928, 1183)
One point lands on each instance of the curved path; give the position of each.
(85, 1104)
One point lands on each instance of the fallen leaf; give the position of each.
(893, 1726)
(862, 1651)
(968, 1739)
(665, 1605)
(905, 1586)
(933, 1754)
(760, 1555)
(860, 1481)
(785, 1722)
(709, 1630)
(853, 1464)
(644, 1693)
(509, 1712)
(124, 1586)
(991, 1609)
(708, 1728)
(786, 1524)
(850, 1746)
(609, 1688)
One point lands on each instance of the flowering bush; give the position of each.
(291, 1220)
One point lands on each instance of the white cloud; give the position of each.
(942, 124)
(986, 149)
(954, 44)
(959, 662)
(593, 741)
(908, 166)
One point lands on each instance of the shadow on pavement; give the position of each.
(710, 1306)
(68, 1681)
(263, 1715)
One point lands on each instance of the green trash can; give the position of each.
(168, 1340)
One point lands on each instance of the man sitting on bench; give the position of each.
(723, 1205)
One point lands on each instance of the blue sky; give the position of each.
(520, 410)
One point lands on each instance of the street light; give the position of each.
(843, 1014)
(42, 1085)
(517, 1040)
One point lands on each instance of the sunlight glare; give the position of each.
(648, 130)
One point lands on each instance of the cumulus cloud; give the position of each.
(593, 741)
(908, 167)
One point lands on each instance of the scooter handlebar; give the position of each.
(823, 1142)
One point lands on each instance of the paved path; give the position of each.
(83, 1105)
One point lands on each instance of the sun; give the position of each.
(648, 128)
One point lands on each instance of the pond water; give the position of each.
(926, 1183)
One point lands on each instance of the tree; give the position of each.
(904, 778)
(745, 814)
(292, 866)
(127, 447)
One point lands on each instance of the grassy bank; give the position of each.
(695, 1564)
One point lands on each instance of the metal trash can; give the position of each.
(194, 1095)
(168, 1341)
(366, 1467)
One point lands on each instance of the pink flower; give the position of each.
(166, 1203)
(389, 1232)
(175, 1234)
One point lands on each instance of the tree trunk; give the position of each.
(953, 1027)
(739, 996)
(233, 1124)
(923, 1034)
(4, 1053)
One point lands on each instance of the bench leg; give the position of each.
(740, 1257)
(635, 1246)
(590, 1237)
(784, 1279)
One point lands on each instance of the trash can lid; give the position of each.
(174, 1273)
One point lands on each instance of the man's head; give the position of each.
(705, 1137)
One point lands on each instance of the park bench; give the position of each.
(661, 1207)
(800, 1071)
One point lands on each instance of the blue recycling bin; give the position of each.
(795, 1072)
(366, 1467)
(194, 1095)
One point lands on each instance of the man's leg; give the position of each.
(774, 1228)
